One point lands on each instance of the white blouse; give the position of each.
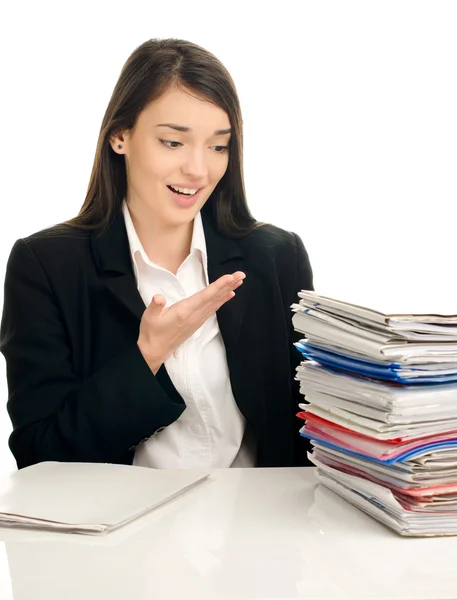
(210, 433)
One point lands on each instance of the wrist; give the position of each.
(154, 362)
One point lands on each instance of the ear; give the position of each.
(120, 139)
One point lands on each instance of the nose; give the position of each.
(195, 165)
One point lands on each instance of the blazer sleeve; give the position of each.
(55, 415)
(303, 281)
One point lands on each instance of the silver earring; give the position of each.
(119, 146)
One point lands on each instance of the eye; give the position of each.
(173, 145)
(168, 144)
(221, 149)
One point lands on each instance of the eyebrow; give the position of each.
(186, 129)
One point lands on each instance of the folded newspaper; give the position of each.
(87, 498)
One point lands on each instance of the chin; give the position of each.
(181, 216)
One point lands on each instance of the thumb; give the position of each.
(157, 303)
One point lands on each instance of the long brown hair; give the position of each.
(150, 70)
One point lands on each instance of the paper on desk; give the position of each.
(90, 498)
(371, 447)
(392, 396)
(417, 375)
(392, 316)
(373, 344)
(369, 427)
(380, 503)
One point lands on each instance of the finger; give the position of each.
(202, 300)
(158, 302)
(239, 275)
(229, 279)
(220, 302)
(212, 299)
(214, 295)
(221, 285)
(228, 288)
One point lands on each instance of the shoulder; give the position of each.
(268, 236)
(281, 255)
(58, 245)
(271, 242)
(58, 234)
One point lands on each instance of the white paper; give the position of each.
(87, 497)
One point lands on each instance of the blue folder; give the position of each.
(390, 461)
(389, 372)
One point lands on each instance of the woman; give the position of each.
(155, 327)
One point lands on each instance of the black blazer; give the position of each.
(79, 388)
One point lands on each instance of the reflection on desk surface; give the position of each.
(244, 533)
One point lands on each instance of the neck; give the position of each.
(166, 246)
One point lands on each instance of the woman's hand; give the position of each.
(162, 329)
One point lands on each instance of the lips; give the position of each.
(171, 188)
(184, 200)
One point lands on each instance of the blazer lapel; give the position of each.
(111, 253)
(225, 256)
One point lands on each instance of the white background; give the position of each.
(350, 128)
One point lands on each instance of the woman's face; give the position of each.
(179, 146)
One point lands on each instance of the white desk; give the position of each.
(244, 533)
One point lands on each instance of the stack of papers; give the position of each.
(88, 498)
(381, 410)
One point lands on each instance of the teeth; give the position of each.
(184, 190)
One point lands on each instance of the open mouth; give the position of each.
(183, 191)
